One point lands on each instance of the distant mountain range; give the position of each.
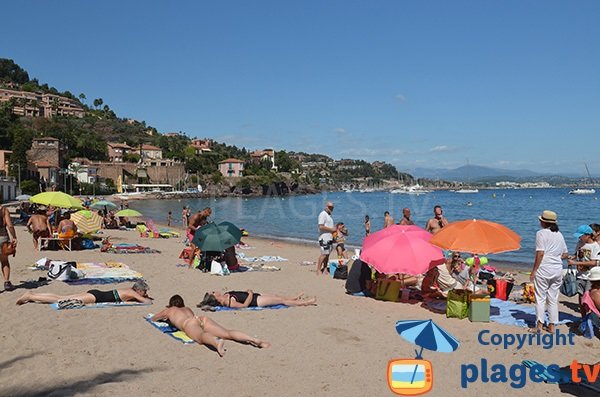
(477, 173)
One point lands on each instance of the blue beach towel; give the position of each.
(100, 305)
(170, 330)
(510, 313)
(227, 309)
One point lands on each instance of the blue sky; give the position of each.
(510, 84)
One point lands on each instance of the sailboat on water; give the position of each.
(585, 191)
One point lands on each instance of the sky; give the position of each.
(435, 84)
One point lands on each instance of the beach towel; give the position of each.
(129, 249)
(264, 258)
(104, 273)
(100, 305)
(257, 268)
(228, 309)
(510, 313)
(170, 330)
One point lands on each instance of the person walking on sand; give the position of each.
(438, 221)
(6, 227)
(406, 217)
(550, 250)
(326, 228)
(39, 225)
(388, 220)
(201, 328)
(169, 218)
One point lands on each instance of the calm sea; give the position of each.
(296, 217)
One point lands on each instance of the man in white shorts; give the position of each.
(326, 228)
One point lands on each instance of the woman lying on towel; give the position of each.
(137, 293)
(242, 299)
(201, 328)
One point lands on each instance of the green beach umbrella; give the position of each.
(213, 237)
(128, 213)
(103, 204)
(233, 229)
(57, 199)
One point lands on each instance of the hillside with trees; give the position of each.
(88, 136)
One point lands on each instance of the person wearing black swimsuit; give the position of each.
(137, 293)
(242, 299)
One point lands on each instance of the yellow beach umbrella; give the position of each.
(87, 221)
(57, 199)
(128, 213)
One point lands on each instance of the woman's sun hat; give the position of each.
(548, 216)
(594, 274)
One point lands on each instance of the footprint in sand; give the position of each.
(340, 335)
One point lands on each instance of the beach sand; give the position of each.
(339, 347)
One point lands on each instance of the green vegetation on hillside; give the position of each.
(88, 136)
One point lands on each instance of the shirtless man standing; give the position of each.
(406, 217)
(438, 221)
(39, 225)
(201, 328)
(387, 219)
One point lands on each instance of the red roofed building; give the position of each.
(231, 168)
(116, 151)
(149, 152)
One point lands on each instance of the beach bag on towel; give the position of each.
(60, 270)
(341, 272)
(458, 303)
(388, 290)
(569, 284)
(500, 288)
(529, 293)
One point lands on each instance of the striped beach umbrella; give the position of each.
(87, 221)
(427, 335)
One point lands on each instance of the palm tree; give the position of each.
(82, 97)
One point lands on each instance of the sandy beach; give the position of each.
(339, 347)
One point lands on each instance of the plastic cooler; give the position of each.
(479, 308)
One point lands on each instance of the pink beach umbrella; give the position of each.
(401, 249)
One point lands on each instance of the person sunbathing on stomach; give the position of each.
(201, 328)
(137, 293)
(242, 299)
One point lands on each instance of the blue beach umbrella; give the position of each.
(427, 335)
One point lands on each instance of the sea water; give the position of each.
(295, 217)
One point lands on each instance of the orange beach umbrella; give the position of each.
(477, 236)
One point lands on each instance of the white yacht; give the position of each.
(467, 191)
(583, 191)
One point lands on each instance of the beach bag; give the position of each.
(569, 284)
(341, 272)
(60, 270)
(458, 303)
(216, 268)
(388, 290)
(500, 288)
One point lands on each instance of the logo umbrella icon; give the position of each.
(411, 377)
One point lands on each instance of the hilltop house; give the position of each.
(149, 152)
(202, 145)
(231, 168)
(37, 104)
(116, 151)
(45, 158)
